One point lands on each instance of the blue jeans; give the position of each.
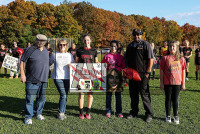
(118, 102)
(63, 88)
(33, 89)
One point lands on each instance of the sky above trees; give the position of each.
(181, 11)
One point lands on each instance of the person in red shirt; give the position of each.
(172, 79)
(3, 51)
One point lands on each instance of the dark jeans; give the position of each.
(142, 87)
(172, 95)
(63, 88)
(118, 102)
(33, 89)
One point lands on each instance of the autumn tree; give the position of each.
(190, 32)
(67, 26)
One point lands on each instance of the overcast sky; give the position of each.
(181, 11)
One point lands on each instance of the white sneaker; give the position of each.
(168, 119)
(40, 117)
(186, 79)
(176, 120)
(28, 121)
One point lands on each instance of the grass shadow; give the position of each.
(192, 90)
(16, 106)
(11, 105)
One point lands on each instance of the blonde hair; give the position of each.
(62, 42)
(177, 54)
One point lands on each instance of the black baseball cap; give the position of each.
(137, 31)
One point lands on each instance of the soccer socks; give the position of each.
(187, 74)
(153, 75)
(88, 111)
(196, 75)
(81, 111)
(149, 76)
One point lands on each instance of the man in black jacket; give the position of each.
(139, 56)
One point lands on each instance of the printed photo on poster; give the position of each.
(114, 81)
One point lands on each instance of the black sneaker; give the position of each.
(131, 116)
(149, 118)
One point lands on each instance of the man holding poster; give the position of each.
(35, 60)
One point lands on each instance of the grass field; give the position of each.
(12, 97)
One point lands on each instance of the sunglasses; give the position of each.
(62, 45)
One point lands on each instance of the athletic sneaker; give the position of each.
(10, 77)
(81, 116)
(108, 115)
(148, 118)
(40, 117)
(16, 77)
(176, 120)
(168, 119)
(88, 116)
(28, 121)
(61, 116)
(186, 79)
(120, 115)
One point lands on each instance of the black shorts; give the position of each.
(187, 60)
(1, 59)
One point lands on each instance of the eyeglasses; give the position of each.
(62, 45)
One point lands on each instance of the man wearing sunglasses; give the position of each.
(35, 60)
(139, 56)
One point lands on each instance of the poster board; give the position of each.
(88, 77)
(11, 63)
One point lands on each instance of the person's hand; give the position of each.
(147, 75)
(23, 78)
(161, 86)
(183, 87)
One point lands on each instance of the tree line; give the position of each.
(21, 20)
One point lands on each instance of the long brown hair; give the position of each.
(177, 54)
(119, 86)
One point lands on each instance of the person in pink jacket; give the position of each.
(114, 61)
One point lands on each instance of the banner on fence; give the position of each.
(88, 77)
(10, 62)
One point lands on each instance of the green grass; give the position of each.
(12, 97)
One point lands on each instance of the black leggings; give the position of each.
(172, 95)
